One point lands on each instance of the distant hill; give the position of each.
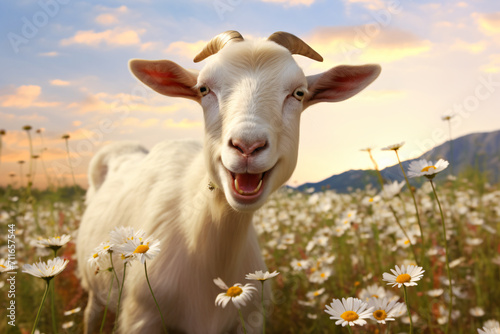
(471, 153)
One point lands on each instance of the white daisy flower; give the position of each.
(313, 294)
(145, 249)
(386, 310)
(73, 311)
(435, 292)
(47, 270)
(350, 311)
(486, 330)
(54, 242)
(320, 275)
(426, 168)
(373, 291)
(260, 276)
(68, 324)
(121, 234)
(238, 294)
(477, 311)
(491, 324)
(405, 275)
(5, 266)
(393, 147)
(392, 189)
(300, 264)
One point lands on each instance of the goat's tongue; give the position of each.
(247, 184)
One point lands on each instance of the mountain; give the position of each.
(475, 155)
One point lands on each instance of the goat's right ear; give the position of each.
(166, 77)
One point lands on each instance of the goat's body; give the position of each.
(165, 193)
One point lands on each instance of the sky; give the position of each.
(64, 70)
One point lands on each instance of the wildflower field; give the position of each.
(326, 246)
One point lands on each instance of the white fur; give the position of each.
(204, 234)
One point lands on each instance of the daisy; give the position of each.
(391, 190)
(426, 168)
(121, 234)
(54, 243)
(350, 311)
(145, 249)
(313, 294)
(393, 147)
(260, 276)
(238, 294)
(435, 292)
(48, 270)
(404, 276)
(476, 311)
(486, 330)
(73, 311)
(385, 310)
(4, 266)
(299, 265)
(373, 291)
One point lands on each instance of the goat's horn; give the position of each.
(294, 44)
(217, 43)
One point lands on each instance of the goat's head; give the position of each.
(252, 94)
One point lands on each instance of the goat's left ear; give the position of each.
(166, 77)
(339, 83)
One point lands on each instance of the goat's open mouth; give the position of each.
(248, 187)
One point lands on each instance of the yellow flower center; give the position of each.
(403, 278)
(142, 249)
(379, 314)
(95, 255)
(407, 242)
(349, 316)
(316, 293)
(58, 237)
(1, 265)
(357, 283)
(323, 275)
(299, 264)
(374, 296)
(234, 291)
(105, 247)
(370, 200)
(426, 169)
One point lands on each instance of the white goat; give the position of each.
(252, 94)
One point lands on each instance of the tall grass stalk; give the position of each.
(445, 241)
(40, 307)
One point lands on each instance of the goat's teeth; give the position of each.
(241, 192)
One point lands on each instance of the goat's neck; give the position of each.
(216, 233)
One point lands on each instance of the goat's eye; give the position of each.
(298, 94)
(204, 90)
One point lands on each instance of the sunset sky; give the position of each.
(64, 70)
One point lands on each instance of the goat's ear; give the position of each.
(339, 83)
(166, 77)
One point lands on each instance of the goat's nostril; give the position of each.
(248, 149)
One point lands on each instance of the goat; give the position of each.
(199, 199)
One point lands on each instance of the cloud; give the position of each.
(474, 48)
(110, 15)
(184, 124)
(25, 97)
(185, 49)
(57, 82)
(112, 37)
(488, 23)
(369, 4)
(365, 43)
(49, 54)
(290, 3)
(493, 65)
(138, 123)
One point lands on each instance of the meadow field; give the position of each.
(325, 246)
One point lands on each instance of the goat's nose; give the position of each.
(248, 148)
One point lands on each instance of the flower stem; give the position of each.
(242, 321)
(408, 308)
(404, 232)
(120, 296)
(446, 257)
(152, 294)
(40, 308)
(349, 328)
(107, 304)
(263, 309)
(52, 309)
(414, 202)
